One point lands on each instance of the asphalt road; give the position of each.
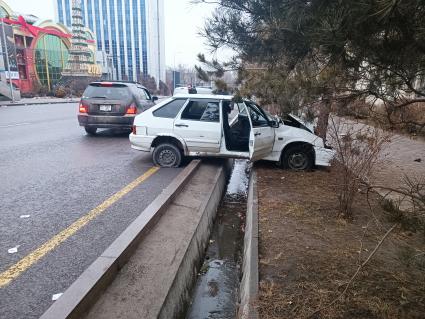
(55, 173)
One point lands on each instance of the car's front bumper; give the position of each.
(141, 142)
(125, 121)
(324, 156)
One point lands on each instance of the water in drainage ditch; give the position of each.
(216, 291)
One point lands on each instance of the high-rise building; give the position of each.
(131, 31)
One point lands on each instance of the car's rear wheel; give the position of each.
(167, 155)
(90, 130)
(298, 158)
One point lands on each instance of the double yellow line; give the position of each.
(21, 266)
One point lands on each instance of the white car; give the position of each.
(193, 90)
(214, 125)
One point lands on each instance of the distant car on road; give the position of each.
(193, 90)
(215, 125)
(112, 105)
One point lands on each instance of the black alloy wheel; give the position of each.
(167, 155)
(298, 158)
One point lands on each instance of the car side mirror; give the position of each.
(274, 123)
(154, 98)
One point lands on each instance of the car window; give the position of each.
(211, 113)
(202, 110)
(242, 109)
(110, 93)
(140, 93)
(257, 117)
(266, 115)
(147, 94)
(171, 109)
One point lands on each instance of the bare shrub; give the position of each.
(409, 208)
(359, 109)
(60, 92)
(409, 118)
(358, 150)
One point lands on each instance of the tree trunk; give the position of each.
(322, 123)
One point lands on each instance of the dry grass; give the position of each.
(308, 254)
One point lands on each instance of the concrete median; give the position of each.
(149, 270)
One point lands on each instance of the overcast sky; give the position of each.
(183, 21)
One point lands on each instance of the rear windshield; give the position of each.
(109, 92)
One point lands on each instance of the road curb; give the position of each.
(37, 103)
(78, 298)
(248, 292)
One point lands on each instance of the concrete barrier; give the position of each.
(78, 298)
(183, 216)
(180, 291)
(249, 285)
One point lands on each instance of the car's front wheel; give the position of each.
(298, 158)
(90, 130)
(167, 155)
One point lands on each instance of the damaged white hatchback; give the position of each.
(216, 126)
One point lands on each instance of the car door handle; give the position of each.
(181, 125)
(256, 134)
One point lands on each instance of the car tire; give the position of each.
(90, 130)
(167, 155)
(298, 158)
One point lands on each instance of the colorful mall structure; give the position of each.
(38, 51)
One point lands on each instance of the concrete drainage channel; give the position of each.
(216, 291)
(150, 269)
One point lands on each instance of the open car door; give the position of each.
(262, 135)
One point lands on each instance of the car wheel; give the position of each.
(90, 130)
(298, 158)
(167, 155)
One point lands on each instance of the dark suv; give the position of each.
(112, 105)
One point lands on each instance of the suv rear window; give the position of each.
(120, 92)
(171, 109)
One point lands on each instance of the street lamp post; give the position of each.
(174, 70)
(7, 62)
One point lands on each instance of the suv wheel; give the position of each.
(298, 158)
(90, 130)
(167, 155)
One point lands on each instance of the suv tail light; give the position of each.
(132, 109)
(83, 108)
(134, 130)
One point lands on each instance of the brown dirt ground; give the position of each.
(308, 253)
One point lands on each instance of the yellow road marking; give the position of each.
(17, 269)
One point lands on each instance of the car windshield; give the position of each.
(110, 92)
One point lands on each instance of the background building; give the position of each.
(131, 31)
(38, 52)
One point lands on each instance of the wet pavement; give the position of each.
(51, 175)
(216, 291)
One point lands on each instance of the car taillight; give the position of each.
(83, 108)
(132, 109)
(134, 130)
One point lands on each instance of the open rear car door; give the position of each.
(262, 135)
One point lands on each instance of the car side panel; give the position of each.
(199, 136)
(141, 142)
(286, 135)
